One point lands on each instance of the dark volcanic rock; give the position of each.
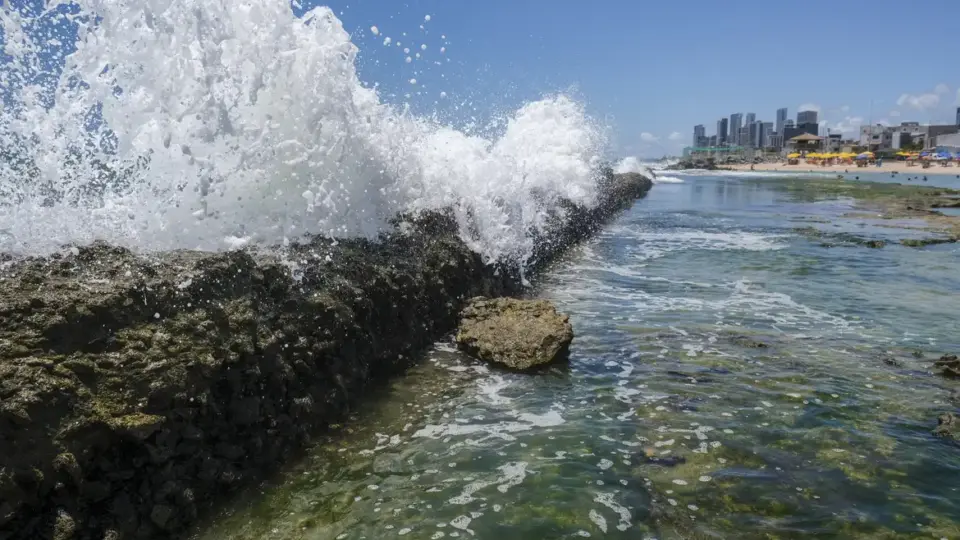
(573, 224)
(917, 243)
(135, 390)
(949, 365)
(518, 334)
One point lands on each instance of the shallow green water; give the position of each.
(730, 378)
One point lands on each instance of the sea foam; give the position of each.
(213, 124)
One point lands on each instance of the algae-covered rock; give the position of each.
(921, 242)
(143, 387)
(64, 527)
(949, 365)
(834, 239)
(518, 334)
(748, 342)
(947, 426)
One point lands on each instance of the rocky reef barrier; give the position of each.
(137, 390)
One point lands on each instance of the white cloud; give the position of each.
(882, 121)
(676, 136)
(919, 102)
(894, 114)
(942, 89)
(849, 125)
(809, 107)
(648, 137)
(845, 108)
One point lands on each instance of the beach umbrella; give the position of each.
(793, 155)
(865, 155)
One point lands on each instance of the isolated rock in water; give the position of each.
(748, 342)
(519, 334)
(947, 426)
(950, 365)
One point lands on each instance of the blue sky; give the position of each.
(654, 69)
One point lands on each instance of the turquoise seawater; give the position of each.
(730, 377)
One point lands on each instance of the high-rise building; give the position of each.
(743, 138)
(751, 118)
(790, 130)
(806, 117)
(721, 131)
(776, 141)
(789, 123)
(699, 133)
(958, 116)
(755, 133)
(765, 134)
(781, 119)
(736, 122)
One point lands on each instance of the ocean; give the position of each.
(730, 376)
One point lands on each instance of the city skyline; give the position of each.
(757, 133)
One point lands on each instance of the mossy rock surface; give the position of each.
(517, 334)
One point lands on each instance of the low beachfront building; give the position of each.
(881, 137)
(803, 143)
(949, 143)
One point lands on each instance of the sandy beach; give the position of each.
(899, 167)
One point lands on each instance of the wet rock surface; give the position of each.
(748, 342)
(517, 334)
(948, 426)
(833, 239)
(135, 390)
(949, 365)
(921, 242)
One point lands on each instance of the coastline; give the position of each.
(139, 390)
(890, 167)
